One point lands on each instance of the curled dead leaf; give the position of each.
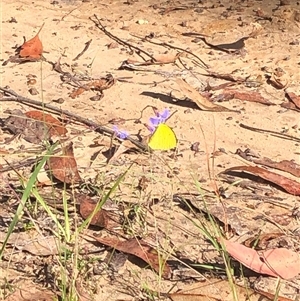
(279, 78)
(64, 167)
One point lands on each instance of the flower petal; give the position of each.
(158, 119)
(165, 114)
(155, 121)
(120, 133)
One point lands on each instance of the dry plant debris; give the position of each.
(141, 249)
(110, 215)
(64, 166)
(29, 51)
(289, 185)
(279, 262)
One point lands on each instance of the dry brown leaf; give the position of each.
(241, 221)
(141, 249)
(98, 85)
(202, 103)
(284, 165)
(33, 131)
(27, 290)
(32, 242)
(289, 166)
(294, 101)
(252, 96)
(287, 184)
(87, 207)
(123, 147)
(77, 92)
(64, 167)
(56, 128)
(32, 48)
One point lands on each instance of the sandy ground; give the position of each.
(68, 27)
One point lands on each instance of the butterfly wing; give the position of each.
(163, 138)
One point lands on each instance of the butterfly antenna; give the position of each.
(172, 114)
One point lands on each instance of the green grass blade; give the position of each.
(26, 194)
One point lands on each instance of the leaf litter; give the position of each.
(145, 206)
(29, 51)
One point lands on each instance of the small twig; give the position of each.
(62, 19)
(87, 45)
(204, 65)
(118, 40)
(57, 67)
(25, 162)
(95, 126)
(276, 134)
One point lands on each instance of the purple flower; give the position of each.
(158, 119)
(120, 133)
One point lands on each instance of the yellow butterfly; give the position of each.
(163, 138)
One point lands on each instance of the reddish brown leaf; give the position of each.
(56, 128)
(289, 166)
(32, 48)
(33, 131)
(279, 262)
(98, 85)
(226, 76)
(77, 92)
(290, 106)
(285, 165)
(87, 207)
(287, 184)
(295, 99)
(252, 96)
(64, 167)
(140, 249)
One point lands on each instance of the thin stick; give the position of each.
(205, 66)
(87, 45)
(115, 38)
(95, 126)
(276, 134)
(40, 29)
